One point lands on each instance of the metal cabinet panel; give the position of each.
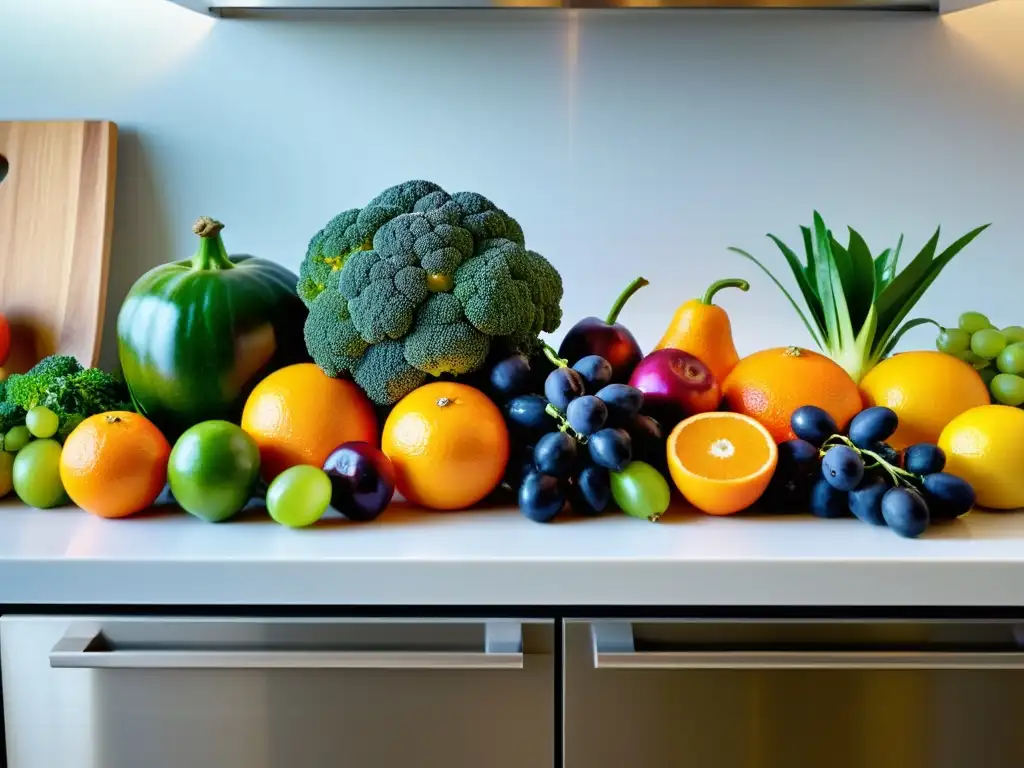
(103, 692)
(793, 695)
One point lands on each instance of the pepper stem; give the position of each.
(211, 253)
(625, 296)
(715, 287)
(552, 354)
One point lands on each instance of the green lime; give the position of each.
(972, 322)
(641, 491)
(36, 475)
(212, 470)
(6, 473)
(299, 496)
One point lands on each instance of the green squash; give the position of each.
(194, 337)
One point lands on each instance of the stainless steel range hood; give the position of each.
(284, 8)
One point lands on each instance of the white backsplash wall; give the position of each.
(625, 144)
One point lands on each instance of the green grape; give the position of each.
(299, 496)
(972, 359)
(987, 374)
(988, 343)
(16, 438)
(6, 473)
(1013, 334)
(36, 475)
(1011, 359)
(42, 422)
(972, 322)
(953, 341)
(1008, 389)
(641, 491)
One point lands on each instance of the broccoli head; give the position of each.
(60, 383)
(437, 279)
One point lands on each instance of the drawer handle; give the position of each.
(83, 646)
(614, 649)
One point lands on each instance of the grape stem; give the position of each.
(563, 425)
(897, 474)
(552, 354)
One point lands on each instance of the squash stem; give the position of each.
(211, 253)
(715, 287)
(625, 296)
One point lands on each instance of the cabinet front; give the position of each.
(793, 694)
(107, 692)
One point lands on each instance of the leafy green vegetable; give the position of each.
(61, 384)
(856, 303)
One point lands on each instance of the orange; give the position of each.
(448, 443)
(299, 415)
(721, 462)
(771, 384)
(926, 389)
(114, 464)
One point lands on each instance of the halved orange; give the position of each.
(721, 462)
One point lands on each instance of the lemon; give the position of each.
(985, 446)
(926, 390)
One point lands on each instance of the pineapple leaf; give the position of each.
(806, 287)
(839, 331)
(896, 295)
(781, 287)
(890, 345)
(860, 292)
(933, 270)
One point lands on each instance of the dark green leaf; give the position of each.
(917, 291)
(881, 264)
(860, 292)
(782, 288)
(890, 345)
(809, 270)
(897, 294)
(824, 266)
(806, 288)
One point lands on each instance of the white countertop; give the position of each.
(497, 557)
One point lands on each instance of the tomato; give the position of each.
(5, 340)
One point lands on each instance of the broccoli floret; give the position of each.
(442, 341)
(29, 389)
(443, 278)
(10, 416)
(384, 375)
(332, 339)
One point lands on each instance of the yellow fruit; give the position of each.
(926, 390)
(721, 462)
(985, 446)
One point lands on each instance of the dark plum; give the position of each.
(623, 401)
(648, 440)
(865, 501)
(555, 454)
(591, 491)
(541, 497)
(362, 480)
(826, 501)
(587, 414)
(842, 467)
(595, 370)
(872, 425)
(905, 511)
(527, 413)
(811, 423)
(924, 459)
(562, 386)
(511, 377)
(611, 449)
(948, 496)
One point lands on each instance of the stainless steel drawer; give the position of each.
(794, 694)
(276, 693)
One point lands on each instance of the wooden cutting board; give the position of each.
(56, 218)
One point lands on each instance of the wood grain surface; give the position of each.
(56, 220)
